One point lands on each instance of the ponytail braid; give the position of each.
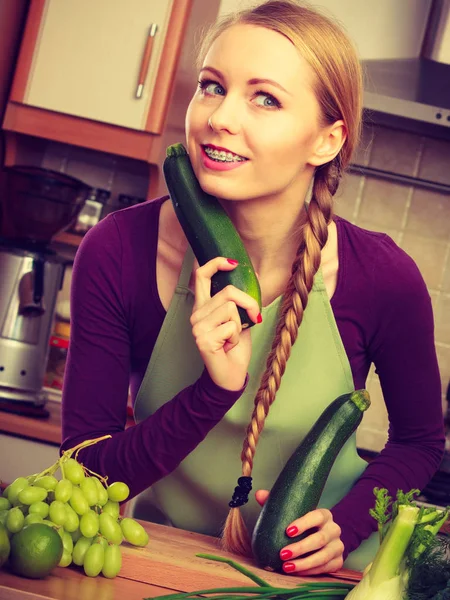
(313, 236)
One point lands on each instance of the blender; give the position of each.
(37, 205)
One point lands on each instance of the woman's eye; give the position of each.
(212, 88)
(266, 100)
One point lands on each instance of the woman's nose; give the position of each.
(225, 118)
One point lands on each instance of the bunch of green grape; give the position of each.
(84, 510)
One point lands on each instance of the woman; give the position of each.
(276, 114)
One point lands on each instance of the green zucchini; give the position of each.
(207, 227)
(300, 484)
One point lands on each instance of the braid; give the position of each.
(313, 236)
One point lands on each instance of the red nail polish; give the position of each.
(259, 318)
(232, 261)
(285, 554)
(293, 530)
(288, 567)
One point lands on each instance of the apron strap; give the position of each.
(186, 270)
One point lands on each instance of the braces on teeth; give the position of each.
(221, 155)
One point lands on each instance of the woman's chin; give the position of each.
(220, 190)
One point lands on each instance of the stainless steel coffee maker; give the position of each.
(29, 284)
(37, 204)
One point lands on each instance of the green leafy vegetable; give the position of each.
(410, 557)
(381, 511)
(431, 576)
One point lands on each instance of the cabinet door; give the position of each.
(88, 55)
(25, 457)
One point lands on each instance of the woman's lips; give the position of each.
(222, 149)
(214, 165)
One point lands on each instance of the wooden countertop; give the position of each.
(71, 584)
(168, 564)
(43, 429)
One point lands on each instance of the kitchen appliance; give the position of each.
(37, 204)
(29, 284)
(40, 203)
(413, 92)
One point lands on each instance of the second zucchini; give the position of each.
(300, 484)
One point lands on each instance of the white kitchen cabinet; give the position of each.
(78, 70)
(88, 56)
(20, 457)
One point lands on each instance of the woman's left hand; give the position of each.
(324, 543)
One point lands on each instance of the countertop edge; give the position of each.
(39, 429)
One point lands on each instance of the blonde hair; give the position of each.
(338, 88)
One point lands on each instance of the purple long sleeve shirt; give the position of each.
(383, 312)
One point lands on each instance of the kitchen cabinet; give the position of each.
(25, 457)
(78, 69)
(87, 60)
(30, 444)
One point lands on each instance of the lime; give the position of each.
(4, 545)
(35, 551)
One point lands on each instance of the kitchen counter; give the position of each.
(168, 564)
(32, 443)
(43, 429)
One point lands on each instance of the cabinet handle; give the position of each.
(146, 59)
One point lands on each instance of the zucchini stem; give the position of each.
(175, 151)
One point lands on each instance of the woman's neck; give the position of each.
(269, 230)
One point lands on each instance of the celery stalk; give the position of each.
(388, 560)
(433, 529)
(408, 535)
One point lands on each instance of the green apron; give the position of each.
(195, 496)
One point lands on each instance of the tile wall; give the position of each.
(419, 222)
(116, 174)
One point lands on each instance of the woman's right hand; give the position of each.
(216, 326)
